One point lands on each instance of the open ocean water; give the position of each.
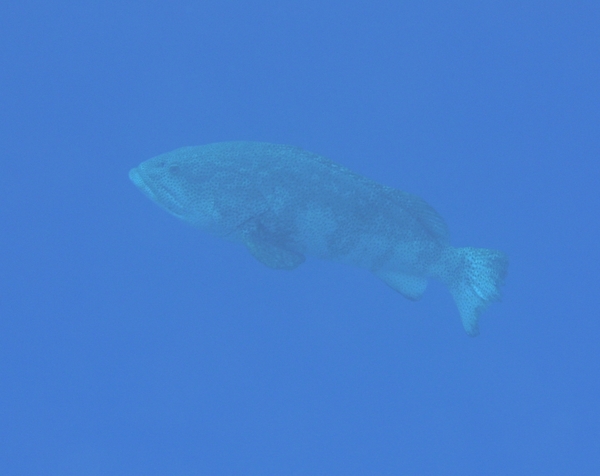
(132, 343)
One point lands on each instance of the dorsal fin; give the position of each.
(424, 214)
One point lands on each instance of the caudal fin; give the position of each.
(475, 282)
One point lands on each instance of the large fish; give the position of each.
(284, 203)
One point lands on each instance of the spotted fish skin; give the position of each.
(284, 203)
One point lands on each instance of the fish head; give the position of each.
(179, 183)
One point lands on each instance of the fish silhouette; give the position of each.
(284, 203)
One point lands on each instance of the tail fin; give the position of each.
(475, 283)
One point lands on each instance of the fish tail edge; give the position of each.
(476, 283)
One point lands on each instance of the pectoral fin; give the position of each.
(411, 287)
(268, 248)
(273, 256)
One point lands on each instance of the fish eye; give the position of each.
(174, 169)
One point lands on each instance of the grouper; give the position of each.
(284, 203)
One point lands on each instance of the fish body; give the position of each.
(284, 203)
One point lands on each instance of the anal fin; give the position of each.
(411, 287)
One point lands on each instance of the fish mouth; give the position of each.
(138, 180)
(158, 194)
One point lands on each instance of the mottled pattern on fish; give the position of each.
(284, 203)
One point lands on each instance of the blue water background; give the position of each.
(131, 343)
